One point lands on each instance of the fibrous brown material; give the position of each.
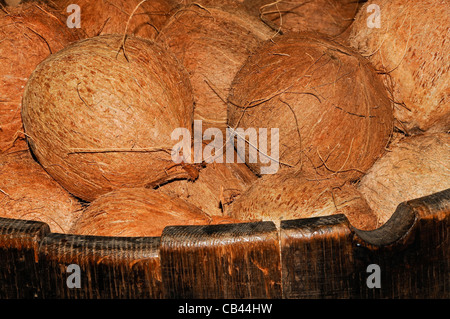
(111, 16)
(212, 44)
(28, 192)
(415, 166)
(286, 196)
(28, 34)
(139, 212)
(217, 186)
(410, 48)
(330, 17)
(331, 109)
(99, 118)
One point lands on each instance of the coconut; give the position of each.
(138, 212)
(28, 192)
(415, 166)
(332, 111)
(216, 187)
(120, 16)
(28, 34)
(99, 118)
(410, 48)
(330, 17)
(11, 3)
(286, 196)
(212, 44)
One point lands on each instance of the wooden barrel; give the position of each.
(324, 257)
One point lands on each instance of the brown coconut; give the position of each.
(139, 212)
(410, 48)
(28, 192)
(414, 167)
(98, 118)
(113, 16)
(28, 34)
(216, 187)
(330, 17)
(286, 196)
(212, 44)
(332, 111)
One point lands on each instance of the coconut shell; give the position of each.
(139, 212)
(332, 111)
(330, 17)
(217, 186)
(98, 119)
(28, 34)
(415, 166)
(28, 192)
(212, 44)
(111, 17)
(411, 49)
(286, 196)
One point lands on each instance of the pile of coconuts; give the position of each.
(91, 93)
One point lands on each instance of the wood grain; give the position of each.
(19, 243)
(221, 261)
(110, 267)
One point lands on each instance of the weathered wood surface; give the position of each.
(19, 244)
(109, 267)
(327, 258)
(221, 261)
(321, 257)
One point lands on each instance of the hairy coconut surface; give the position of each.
(139, 212)
(113, 16)
(410, 47)
(331, 17)
(287, 196)
(216, 187)
(415, 166)
(28, 34)
(212, 44)
(227, 5)
(99, 118)
(28, 192)
(331, 109)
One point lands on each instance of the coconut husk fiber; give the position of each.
(410, 49)
(415, 166)
(28, 192)
(139, 212)
(216, 187)
(99, 118)
(113, 16)
(286, 196)
(330, 17)
(332, 110)
(212, 44)
(28, 34)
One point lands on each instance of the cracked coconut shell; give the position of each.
(411, 49)
(99, 118)
(332, 111)
(28, 34)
